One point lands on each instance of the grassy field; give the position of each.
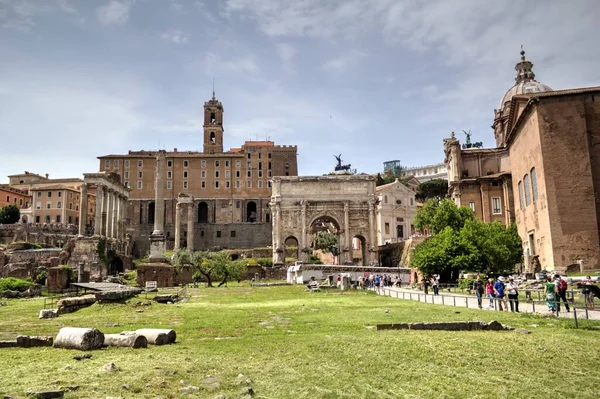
(293, 344)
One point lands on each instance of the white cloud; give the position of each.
(175, 36)
(344, 61)
(115, 12)
(214, 63)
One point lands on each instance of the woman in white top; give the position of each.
(513, 295)
(588, 293)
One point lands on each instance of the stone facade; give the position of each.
(164, 275)
(345, 204)
(546, 169)
(396, 210)
(228, 188)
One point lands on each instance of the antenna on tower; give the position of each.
(213, 97)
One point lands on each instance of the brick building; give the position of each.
(544, 173)
(231, 189)
(14, 196)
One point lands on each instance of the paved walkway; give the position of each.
(469, 301)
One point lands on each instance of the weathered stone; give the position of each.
(189, 389)
(25, 341)
(393, 326)
(46, 394)
(8, 344)
(152, 334)
(126, 340)
(166, 298)
(210, 383)
(494, 326)
(71, 304)
(110, 368)
(79, 338)
(522, 331)
(48, 313)
(247, 392)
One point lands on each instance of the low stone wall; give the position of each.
(58, 279)
(71, 304)
(162, 273)
(24, 341)
(447, 326)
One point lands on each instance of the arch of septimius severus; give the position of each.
(344, 202)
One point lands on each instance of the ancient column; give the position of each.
(276, 234)
(83, 208)
(177, 225)
(190, 225)
(303, 247)
(109, 213)
(157, 239)
(370, 245)
(118, 216)
(348, 243)
(98, 216)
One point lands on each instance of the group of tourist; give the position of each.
(434, 282)
(376, 281)
(498, 292)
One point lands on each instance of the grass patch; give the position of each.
(294, 344)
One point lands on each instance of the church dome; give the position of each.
(525, 81)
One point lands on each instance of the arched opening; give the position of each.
(291, 244)
(251, 212)
(115, 267)
(151, 213)
(203, 212)
(359, 250)
(325, 239)
(213, 138)
(24, 219)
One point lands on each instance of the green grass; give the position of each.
(294, 344)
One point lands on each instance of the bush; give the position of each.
(314, 260)
(466, 283)
(15, 284)
(265, 262)
(10, 214)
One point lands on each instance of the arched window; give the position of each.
(213, 138)
(526, 190)
(203, 212)
(534, 189)
(251, 215)
(151, 213)
(521, 202)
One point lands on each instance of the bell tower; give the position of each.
(213, 126)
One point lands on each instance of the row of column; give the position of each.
(191, 216)
(110, 209)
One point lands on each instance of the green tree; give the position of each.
(432, 189)
(9, 214)
(436, 215)
(211, 265)
(326, 240)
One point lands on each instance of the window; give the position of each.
(70, 205)
(126, 184)
(203, 163)
(127, 174)
(260, 184)
(20, 201)
(140, 164)
(217, 184)
(269, 155)
(216, 174)
(227, 174)
(139, 185)
(238, 204)
(48, 205)
(232, 233)
(140, 174)
(169, 185)
(472, 206)
(185, 184)
(260, 166)
(39, 194)
(496, 206)
(260, 173)
(107, 163)
(385, 199)
(70, 219)
(237, 184)
(269, 183)
(49, 194)
(269, 165)
(185, 174)
(269, 173)
(218, 233)
(170, 174)
(534, 189)
(59, 194)
(238, 164)
(38, 205)
(249, 165)
(58, 219)
(203, 184)
(227, 184)
(185, 164)
(387, 228)
(249, 183)
(126, 163)
(116, 163)
(249, 155)
(8, 198)
(216, 164)
(521, 195)
(226, 164)
(268, 217)
(526, 190)
(237, 174)
(259, 155)
(249, 173)
(59, 204)
(412, 201)
(201, 233)
(169, 164)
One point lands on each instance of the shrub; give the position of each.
(265, 262)
(314, 259)
(15, 284)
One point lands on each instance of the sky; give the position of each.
(374, 80)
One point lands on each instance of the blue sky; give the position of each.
(374, 80)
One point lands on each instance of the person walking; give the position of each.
(435, 284)
(588, 292)
(478, 288)
(513, 295)
(500, 294)
(426, 285)
(561, 291)
(550, 292)
(489, 290)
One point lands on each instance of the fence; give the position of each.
(579, 311)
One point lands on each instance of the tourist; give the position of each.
(500, 294)
(426, 285)
(550, 292)
(377, 282)
(588, 292)
(339, 281)
(399, 282)
(435, 284)
(489, 290)
(478, 288)
(561, 291)
(513, 295)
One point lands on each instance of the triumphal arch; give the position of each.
(342, 204)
